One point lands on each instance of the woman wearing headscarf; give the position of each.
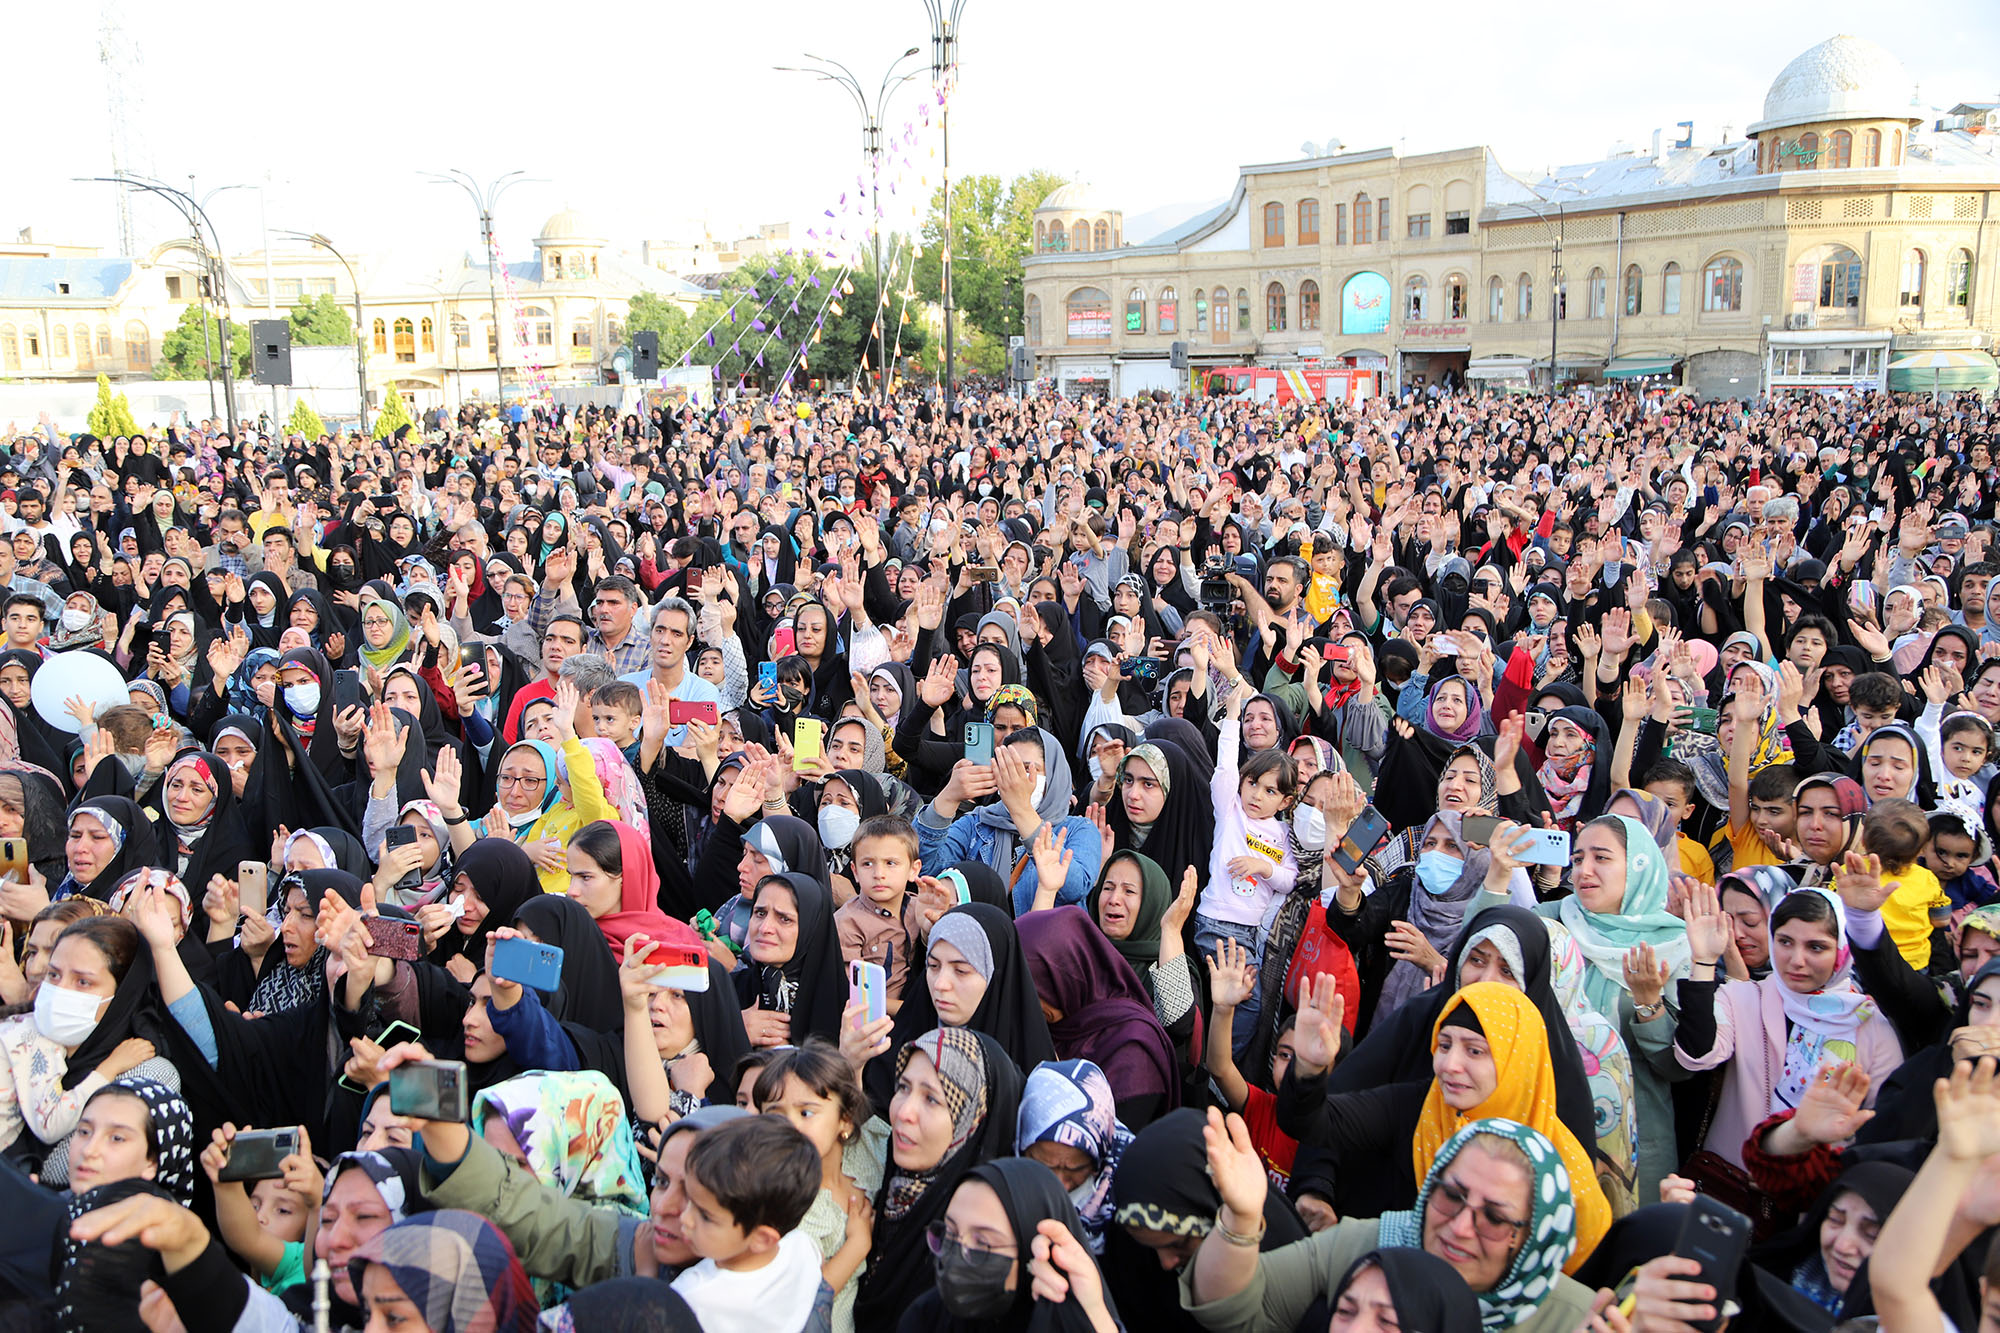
(1099, 1011)
(109, 837)
(1576, 767)
(260, 610)
(571, 1131)
(38, 741)
(1606, 1062)
(1070, 1125)
(495, 880)
(995, 833)
(1161, 809)
(589, 991)
(1817, 1272)
(1128, 904)
(546, 795)
(611, 874)
(200, 826)
(453, 1271)
(31, 806)
(1442, 883)
(957, 1098)
(792, 986)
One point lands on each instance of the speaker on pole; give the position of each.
(271, 343)
(645, 355)
(1177, 355)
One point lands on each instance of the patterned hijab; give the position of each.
(457, 1269)
(173, 1135)
(1825, 1024)
(961, 1067)
(1440, 916)
(1607, 1064)
(1070, 1102)
(1641, 918)
(575, 1132)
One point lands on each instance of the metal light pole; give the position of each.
(360, 345)
(945, 16)
(871, 148)
(485, 200)
(1555, 271)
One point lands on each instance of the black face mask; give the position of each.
(973, 1283)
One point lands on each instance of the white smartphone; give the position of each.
(1548, 847)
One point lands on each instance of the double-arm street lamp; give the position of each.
(485, 199)
(360, 345)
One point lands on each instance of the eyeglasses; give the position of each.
(509, 780)
(938, 1235)
(1451, 1199)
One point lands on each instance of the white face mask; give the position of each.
(65, 1017)
(75, 618)
(1096, 770)
(1041, 789)
(1309, 827)
(837, 824)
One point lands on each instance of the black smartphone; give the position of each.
(1715, 1236)
(1368, 832)
(404, 835)
(429, 1090)
(259, 1154)
(1478, 829)
(346, 688)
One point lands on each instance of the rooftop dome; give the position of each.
(1843, 78)
(1076, 196)
(567, 227)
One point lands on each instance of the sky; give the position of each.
(653, 120)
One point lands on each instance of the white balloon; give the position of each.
(65, 676)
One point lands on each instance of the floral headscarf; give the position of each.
(1825, 1024)
(1641, 918)
(1070, 1102)
(1607, 1064)
(574, 1130)
(1475, 711)
(961, 1068)
(1016, 696)
(457, 1269)
(156, 878)
(621, 785)
(173, 1135)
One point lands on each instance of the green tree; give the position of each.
(112, 415)
(181, 351)
(846, 347)
(653, 313)
(993, 228)
(392, 415)
(321, 322)
(305, 422)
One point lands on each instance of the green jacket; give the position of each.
(1289, 1279)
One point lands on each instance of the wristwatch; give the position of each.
(1646, 1013)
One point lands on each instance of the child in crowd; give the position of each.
(1959, 746)
(1773, 819)
(1673, 782)
(1232, 979)
(749, 1184)
(270, 1225)
(1874, 698)
(615, 710)
(743, 1078)
(1896, 831)
(882, 922)
(1959, 853)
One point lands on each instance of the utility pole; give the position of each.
(945, 16)
(484, 201)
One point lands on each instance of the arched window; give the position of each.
(1364, 220)
(1911, 292)
(1201, 312)
(1635, 290)
(138, 344)
(1035, 320)
(1722, 285)
(1416, 296)
(10, 346)
(1871, 149)
(541, 325)
(1596, 294)
(461, 333)
(381, 338)
(1041, 235)
(59, 337)
(580, 339)
(1958, 281)
(1135, 310)
(1840, 149)
(1221, 302)
(1079, 236)
(1242, 307)
(406, 340)
(555, 266)
(1896, 149)
(1670, 289)
(1839, 279)
(1308, 304)
(1496, 300)
(1274, 308)
(1308, 222)
(429, 335)
(614, 332)
(82, 334)
(1170, 311)
(104, 342)
(1058, 239)
(1525, 305)
(1087, 315)
(1101, 235)
(1808, 153)
(1274, 224)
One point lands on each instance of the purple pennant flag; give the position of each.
(753, 292)
(829, 212)
(687, 358)
(711, 338)
(791, 279)
(815, 280)
(760, 358)
(736, 347)
(843, 199)
(780, 332)
(795, 307)
(757, 324)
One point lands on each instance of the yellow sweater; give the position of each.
(586, 805)
(1907, 914)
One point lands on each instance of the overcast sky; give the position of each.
(652, 119)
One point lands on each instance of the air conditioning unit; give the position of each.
(1801, 321)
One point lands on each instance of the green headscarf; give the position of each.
(1551, 1237)
(399, 634)
(1642, 918)
(1142, 947)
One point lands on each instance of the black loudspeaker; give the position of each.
(1021, 364)
(271, 348)
(1177, 356)
(645, 355)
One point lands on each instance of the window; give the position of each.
(555, 266)
(1041, 235)
(1496, 300)
(1079, 236)
(1635, 288)
(614, 332)
(82, 335)
(1896, 149)
(1201, 312)
(1382, 217)
(1340, 224)
(1454, 297)
(31, 340)
(138, 344)
(104, 341)
(1807, 155)
(1840, 149)
(541, 325)
(1274, 308)
(1135, 311)
(1595, 293)
(1871, 149)
(59, 339)
(291, 290)
(1170, 311)
(1308, 222)
(1419, 225)
(1101, 236)
(1308, 304)
(1242, 306)
(1670, 290)
(1058, 239)
(1722, 285)
(406, 340)
(1087, 315)
(1364, 220)
(1274, 224)
(492, 338)
(429, 332)
(320, 286)
(381, 338)
(1840, 279)
(1525, 306)
(1458, 223)
(461, 333)
(10, 346)
(579, 334)
(1035, 320)
(173, 286)
(1912, 293)
(1415, 293)
(1221, 302)
(1958, 281)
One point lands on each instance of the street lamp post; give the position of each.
(945, 16)
(360, 346)
(485, 200)
(1555, 270)
(871, 148)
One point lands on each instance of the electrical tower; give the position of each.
(119, 55)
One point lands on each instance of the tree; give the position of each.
(392, 415)
(992, 231)
(321, 322)
(652, 313)
(305, 422)
(846, 347)
(112, 416)
(181, 352)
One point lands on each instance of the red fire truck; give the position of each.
(1286, 384)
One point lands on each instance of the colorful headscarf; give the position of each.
(1607, 1064)
(621, 785)
(1825, 1024)
(196, 763)
(399, 634)
(152, 876)
(457, 1269)
(1017, 696)
(1641, 918)
(1545, 1252)
(1567, 780)
(1070, 1102)
(1475, 711)
(552, 769)
(961, 1068)
(329, 860)
(573, 1127)
(1525, 1094)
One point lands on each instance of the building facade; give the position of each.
(1838, 242)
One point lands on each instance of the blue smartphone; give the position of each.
(767, 675)
(528, 963)
(979, 742)
(1550, 847)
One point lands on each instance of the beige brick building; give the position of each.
(1847, 231)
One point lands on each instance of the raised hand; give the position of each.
(384, 744)
(1236, 1168)
(1316, 1038)
(1708, 926)
(441, 783)
(1232, 975)
(1182, 907)
(567, 699)
(1830, 1111)
(1645, 977)
(939, 683)
(1860, 883)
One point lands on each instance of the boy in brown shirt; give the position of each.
(882, 922)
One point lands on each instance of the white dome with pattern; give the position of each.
(1074, 197)
(1843, 78)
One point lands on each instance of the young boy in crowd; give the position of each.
(270, 1225)
(1958, 853)
(1232, 978)
(748, 1184)
(1673, 782)
(615, 710)
(1873, 699)
(882, 921)
(1896, 831)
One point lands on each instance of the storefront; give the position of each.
(1808, 360)
(1080, 375)
(1499, 374)
(1645, 372)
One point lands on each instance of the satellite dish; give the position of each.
(64, 676)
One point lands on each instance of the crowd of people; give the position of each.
(1441, 864)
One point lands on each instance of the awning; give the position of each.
(1499, 368)
(1632, 367)
(1944, 372)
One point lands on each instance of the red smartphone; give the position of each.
(392, 937)
(783, 642)
(680, 712)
